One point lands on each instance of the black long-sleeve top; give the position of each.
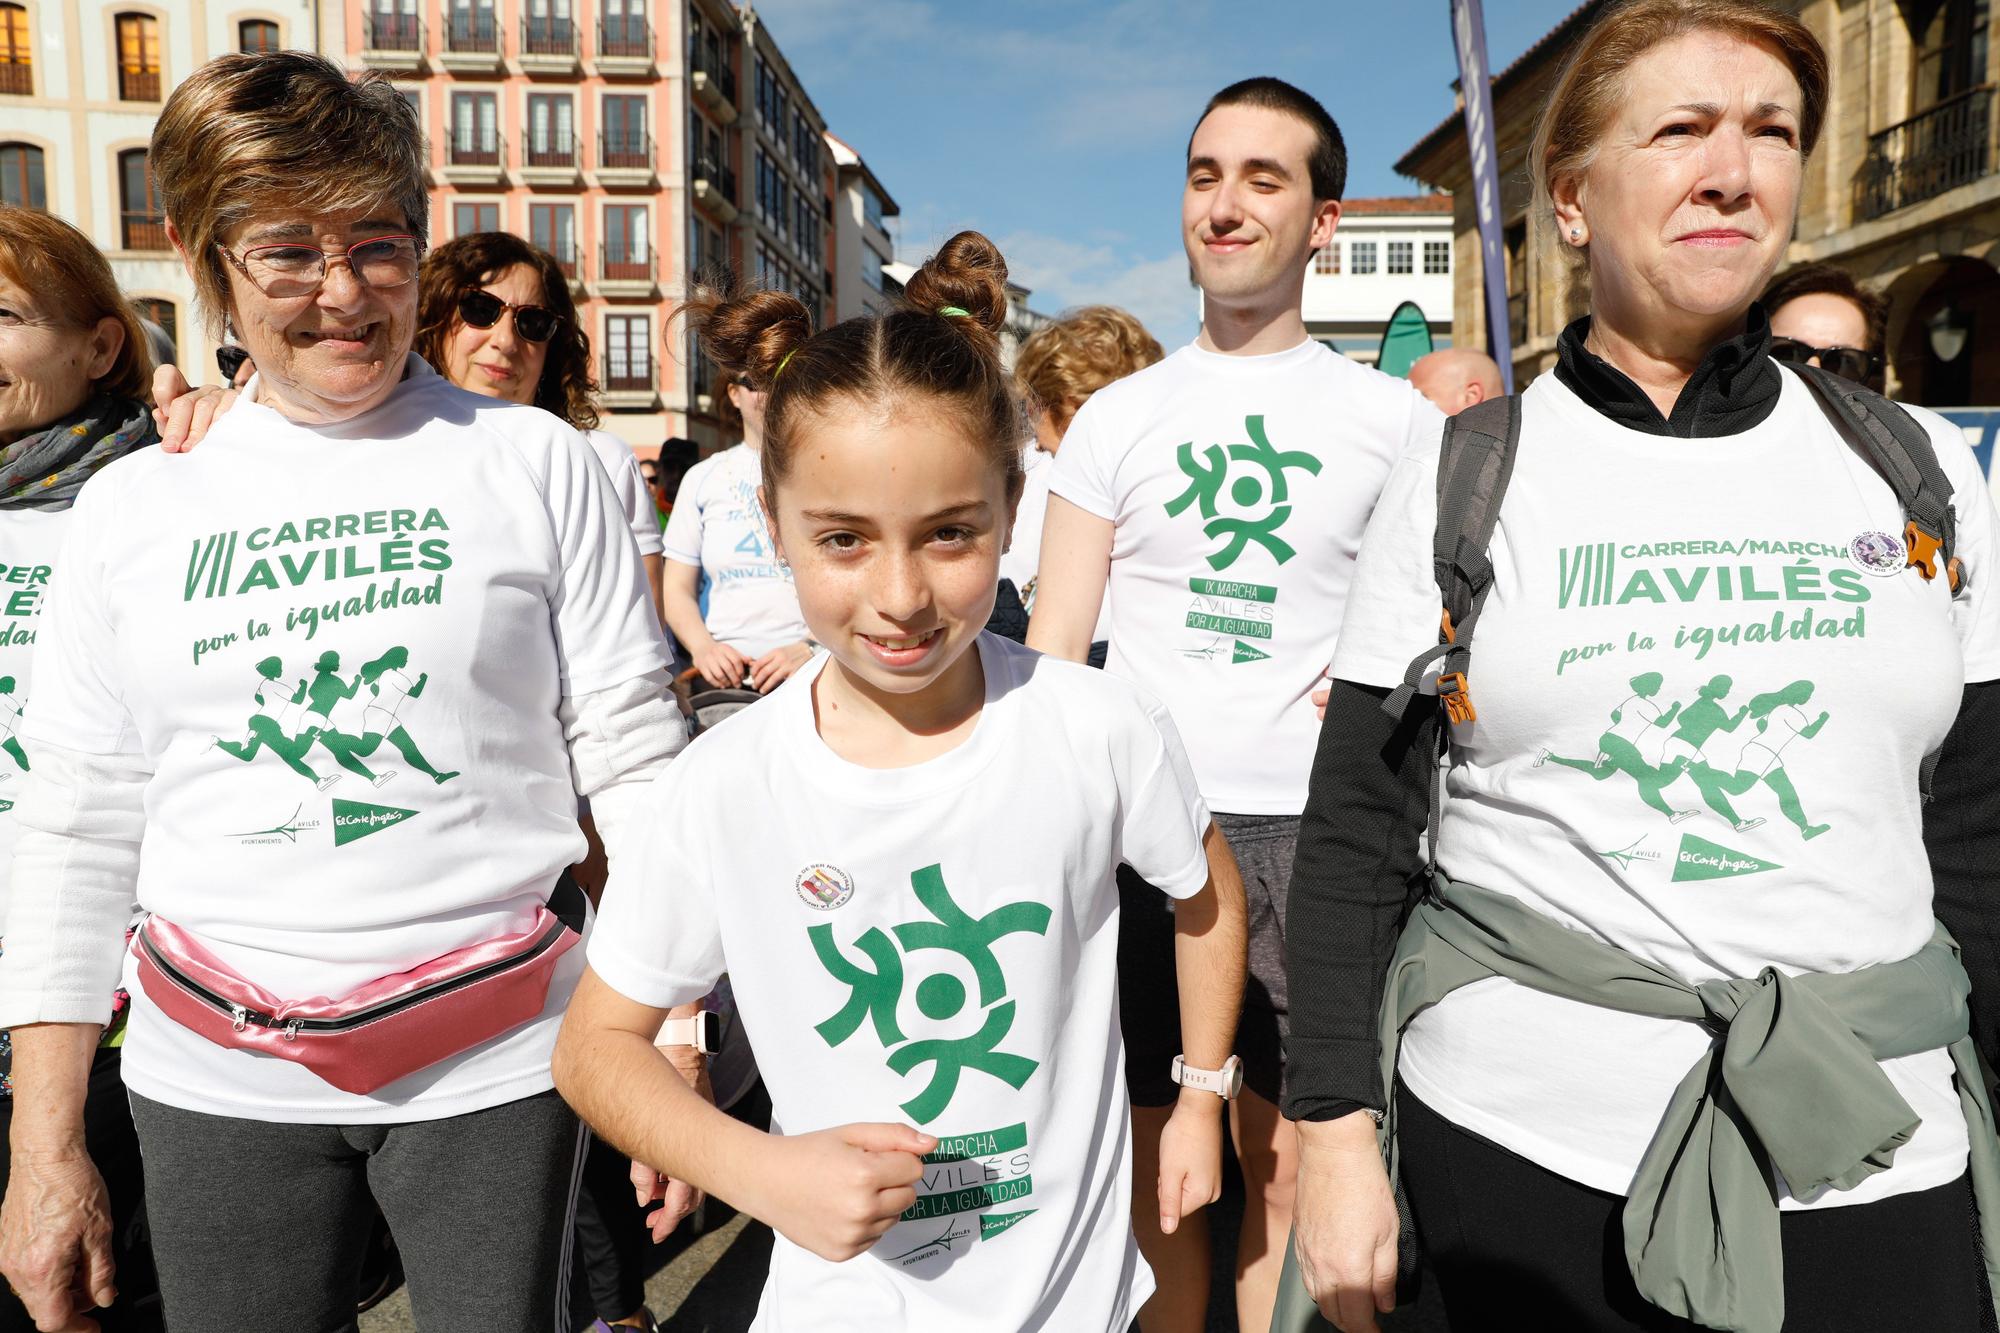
(1360, 862)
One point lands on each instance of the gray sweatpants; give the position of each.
(261, 1226)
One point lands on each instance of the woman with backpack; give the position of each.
(1637, 1073)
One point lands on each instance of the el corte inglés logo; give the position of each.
(353, 820)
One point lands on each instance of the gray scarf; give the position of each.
(46, 468)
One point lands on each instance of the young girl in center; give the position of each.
(918, 910)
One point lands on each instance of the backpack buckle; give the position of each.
(1924, 551)
(1457, 701)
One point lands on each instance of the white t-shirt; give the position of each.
(1721, 627)
(29, 541)
(1240, 486)
(341, 650)
(621, 465)
(1022, 562)
(996, 1028)
(1024, 553)
(718, 527)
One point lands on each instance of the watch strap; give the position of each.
(696, 1030)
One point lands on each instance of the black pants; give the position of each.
(612, 1244)
(107, 1128)
(260, 1226)
(1515, 1245)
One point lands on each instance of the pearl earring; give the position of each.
(1575, 233)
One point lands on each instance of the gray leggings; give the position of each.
(261, 1226)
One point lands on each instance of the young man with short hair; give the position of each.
(1221, 495)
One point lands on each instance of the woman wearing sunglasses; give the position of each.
(351, 985)
(494, 315)
(1820, 316)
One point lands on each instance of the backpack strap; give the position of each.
(1900, 449)
(1475, 463)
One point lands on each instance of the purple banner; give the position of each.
(1468, 30)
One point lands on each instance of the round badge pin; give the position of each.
(824, 887)
(1879, 553)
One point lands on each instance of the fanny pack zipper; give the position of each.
(241, 1016)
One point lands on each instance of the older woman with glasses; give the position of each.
(344, 672)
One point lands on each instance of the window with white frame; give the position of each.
(1401, 256)
(474, 215)
(1437, 257)
(1361, 257)
(628, 353)
(1327, 261)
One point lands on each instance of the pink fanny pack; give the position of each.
(389, 1028)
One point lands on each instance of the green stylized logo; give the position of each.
(875, 990)
(1259, 489)
(354, 820)
(1701, 859)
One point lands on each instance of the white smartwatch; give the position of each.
(703, 1031)
(1225, 1082)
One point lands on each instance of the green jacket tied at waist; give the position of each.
(1791, 1082)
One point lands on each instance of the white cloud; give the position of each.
(1061, 272)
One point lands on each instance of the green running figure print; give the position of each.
(1781, 719)
(11, 709)
(275, 725)
(290, 723)
(1618, 748)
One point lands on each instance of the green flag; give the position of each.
(1405, 338)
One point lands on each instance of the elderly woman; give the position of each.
(344, 671)
(1662, 1064)
(73, 364)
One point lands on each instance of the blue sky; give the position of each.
(1058, 127)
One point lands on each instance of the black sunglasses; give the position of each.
(482, 310)
(1850, 363)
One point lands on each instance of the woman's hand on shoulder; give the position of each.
(1345, 1222)
(183, 414)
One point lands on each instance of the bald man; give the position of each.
(1456, 378)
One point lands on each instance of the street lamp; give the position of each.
(1949, 331)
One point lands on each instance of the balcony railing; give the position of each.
(624, 37)
(566, 255)
(17, 77)
(1940, 149)
(625, 373)
(473, 149)
(629, 150)
(476, 32)
(721, 178)
(138, 85)
(725, 77)
(553, 150)
(394, 32)
(621, 265)
(546, 35)
(144, 231)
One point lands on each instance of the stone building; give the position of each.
(1902, 191)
